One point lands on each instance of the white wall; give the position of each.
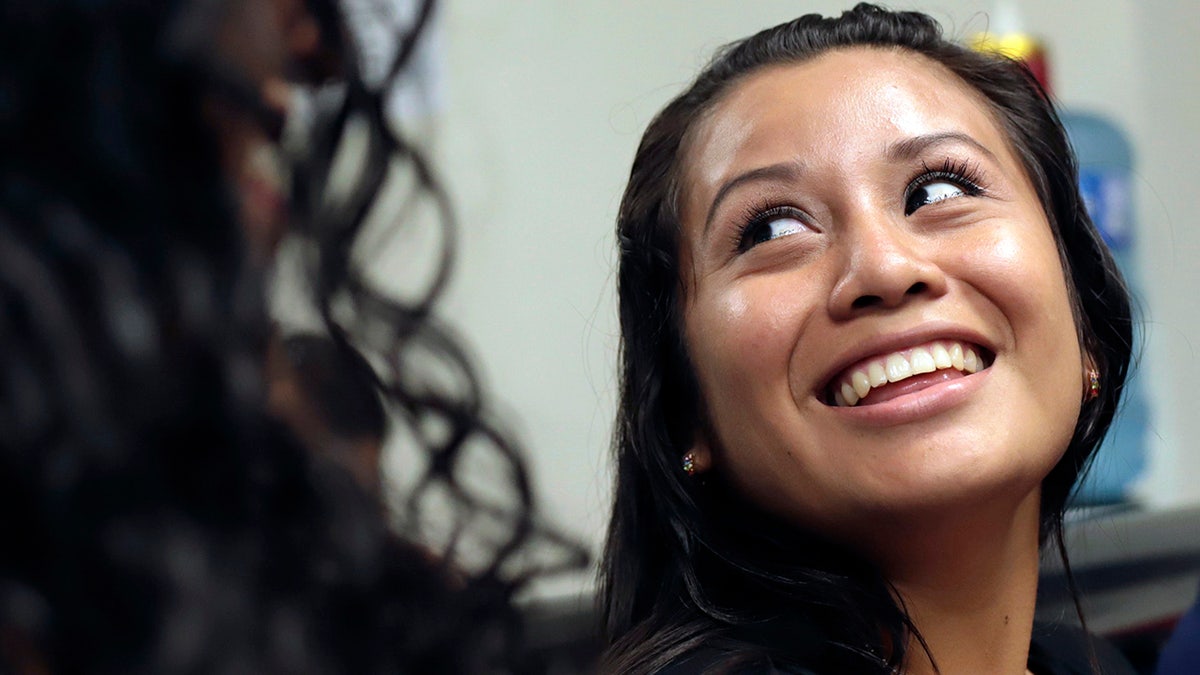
(545, 102)
(1167, 134)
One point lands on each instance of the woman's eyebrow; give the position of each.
(910, 148)
(782, 172)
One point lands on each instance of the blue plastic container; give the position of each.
(1105, 181)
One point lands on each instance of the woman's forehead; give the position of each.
(832, 108)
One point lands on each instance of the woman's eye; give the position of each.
(931, 193)
(771, 227)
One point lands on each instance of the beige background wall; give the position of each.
(544, 102)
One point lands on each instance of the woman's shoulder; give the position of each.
(1054, 650)
(713, 661)
(1058, 649)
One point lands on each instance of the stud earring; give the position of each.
(689, 463)
(1093, 384)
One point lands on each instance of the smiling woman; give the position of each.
(871, 340)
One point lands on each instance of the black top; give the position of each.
(1062, 650)
(1054, 650)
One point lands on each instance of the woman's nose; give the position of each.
(886, 266)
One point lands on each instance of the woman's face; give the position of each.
(263, 41)
(875, 306)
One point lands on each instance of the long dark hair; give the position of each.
(156, 519)
(688, 564)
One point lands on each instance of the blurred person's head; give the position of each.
(159, 519)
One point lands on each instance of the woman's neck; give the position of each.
(969, 582)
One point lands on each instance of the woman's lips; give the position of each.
(886, 376)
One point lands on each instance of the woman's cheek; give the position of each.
(1019, 270)
(754, 319)
(723, 328)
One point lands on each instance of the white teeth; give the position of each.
(896, 368)
(970, 361)
(862, 386)
(956, 356)
(941, 357)
(876, 374)
(922, 361)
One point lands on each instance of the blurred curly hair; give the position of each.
(157, 520)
